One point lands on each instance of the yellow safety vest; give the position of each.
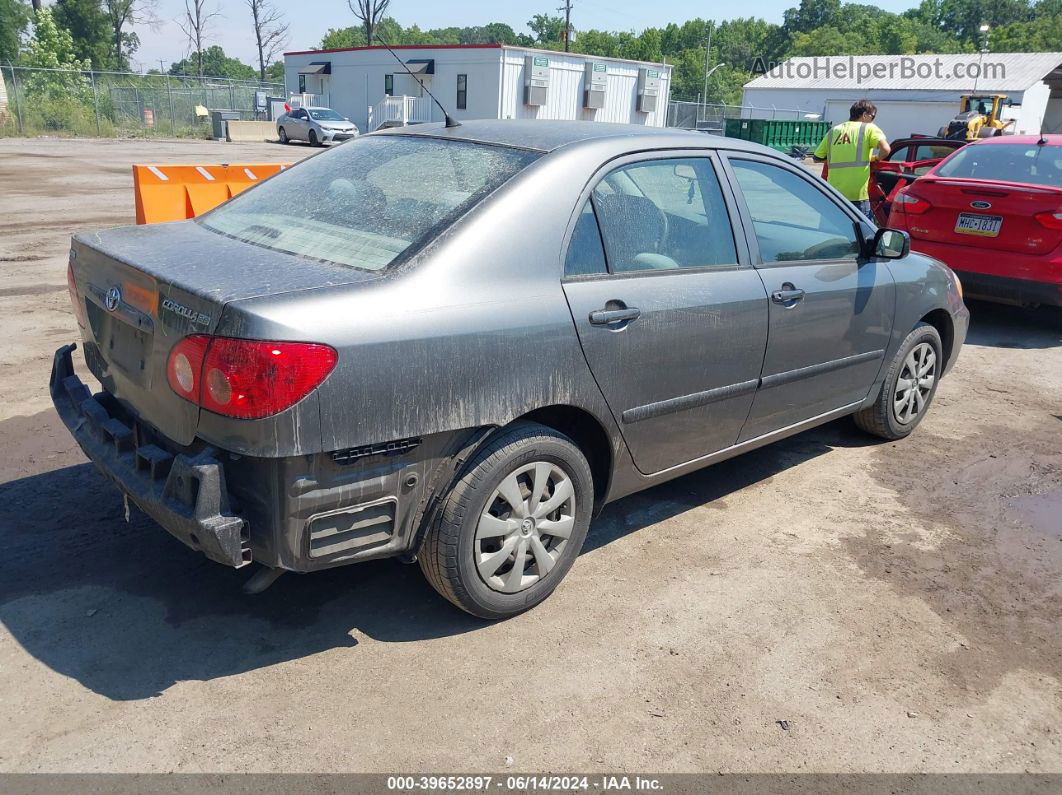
(849, 160)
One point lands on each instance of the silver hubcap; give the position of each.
(916, 380)
(525, 527)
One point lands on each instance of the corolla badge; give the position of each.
(113, 299)
(981, 205)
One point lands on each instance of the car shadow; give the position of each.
(112, 601)
(1003, 326)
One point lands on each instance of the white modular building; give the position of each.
(916, 93)
(477, 81)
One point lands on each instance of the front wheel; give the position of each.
(313, 138)
(513, 525)
(909, 386)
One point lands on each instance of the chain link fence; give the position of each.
(710, 117)
(120, 104)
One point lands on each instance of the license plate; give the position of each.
(980, 225)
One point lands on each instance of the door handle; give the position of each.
(605, 317)
(787, 295)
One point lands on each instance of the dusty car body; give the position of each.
(550, 340)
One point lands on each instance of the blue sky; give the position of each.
(311, 18)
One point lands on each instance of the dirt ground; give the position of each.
(898, 605)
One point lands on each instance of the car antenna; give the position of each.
(450, 121)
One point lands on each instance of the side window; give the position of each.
(585, 252)
(662, 214)
(792, 218)
(462, 92)
(899, 154)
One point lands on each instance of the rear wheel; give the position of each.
(283, 136)
(513, 525)
(909, 387)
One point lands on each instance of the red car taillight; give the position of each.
(1049, 219)
(247, 379)
(71, 285)
(910, 203)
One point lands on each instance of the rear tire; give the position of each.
(472, 551)
(909, 386)
(283, 136)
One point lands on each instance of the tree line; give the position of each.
(102, 34)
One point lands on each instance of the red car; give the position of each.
(909, 158)
(992, 211)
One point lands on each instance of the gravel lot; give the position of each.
(899, 605)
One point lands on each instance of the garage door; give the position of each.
(898, 118)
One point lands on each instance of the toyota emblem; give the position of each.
(113, 299)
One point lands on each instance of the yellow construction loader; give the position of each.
(980, 116)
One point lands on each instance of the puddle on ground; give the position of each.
(1034, 531)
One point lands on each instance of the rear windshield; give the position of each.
(324, 114)
(364, 203)
(1030, 163)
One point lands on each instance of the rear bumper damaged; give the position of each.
(186, 494)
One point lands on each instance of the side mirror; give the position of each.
(685, 171)
(891, 244)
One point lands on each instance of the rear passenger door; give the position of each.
(301, 126)
(830, 312)
(671, 317)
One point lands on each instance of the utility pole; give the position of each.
(707, 56)
(567, 33)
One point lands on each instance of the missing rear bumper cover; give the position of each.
(186, 494)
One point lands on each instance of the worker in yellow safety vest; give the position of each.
(848, 149)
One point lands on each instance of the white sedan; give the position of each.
(316, 126)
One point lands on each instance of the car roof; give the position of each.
(546, 136)
(932, 141)
(1024, 140)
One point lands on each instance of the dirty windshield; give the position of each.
(364, 203)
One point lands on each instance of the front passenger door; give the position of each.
(830, 312)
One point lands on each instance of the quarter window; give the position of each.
(586, 255)
(462, 91)
(662, 214)
(792, 218)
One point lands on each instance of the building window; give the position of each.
(302, 84)
(389, 85)
(462, 91)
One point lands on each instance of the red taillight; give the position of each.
(185, 366)
(71, 285)
(247, 379)
(1049, 219)
(910, 203)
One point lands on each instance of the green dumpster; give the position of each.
(779, 134)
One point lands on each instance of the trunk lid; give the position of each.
(143, 288)
(1006, 208)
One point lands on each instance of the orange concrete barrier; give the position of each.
(176, 192)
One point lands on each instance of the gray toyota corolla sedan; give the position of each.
(457, 345)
